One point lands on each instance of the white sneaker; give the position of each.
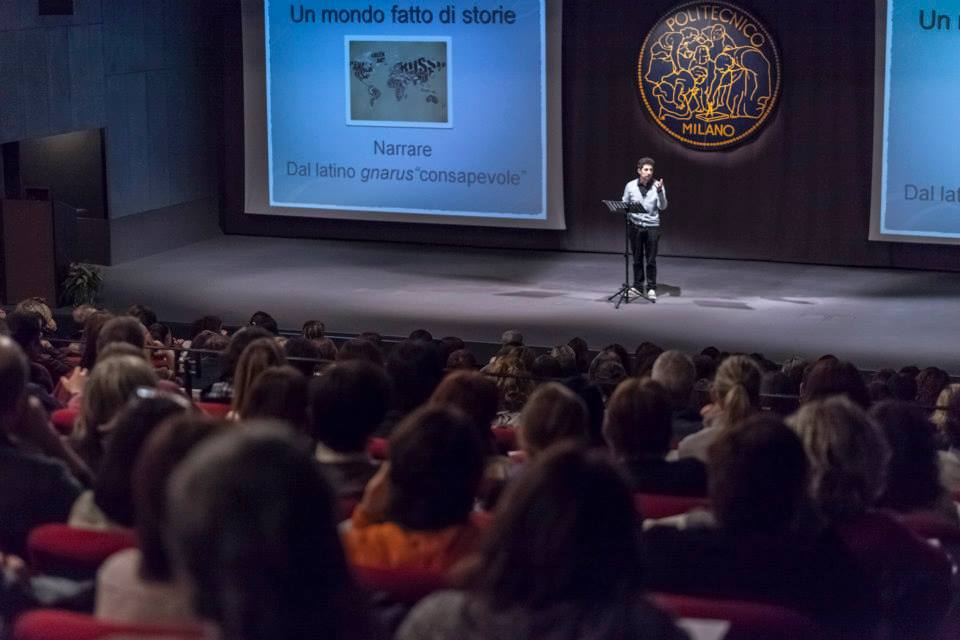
(635, 291)
(652, 294)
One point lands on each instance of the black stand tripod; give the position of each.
(624, 293)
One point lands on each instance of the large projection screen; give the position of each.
(438, 111)
(916, 181)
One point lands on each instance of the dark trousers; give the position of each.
(643, 244)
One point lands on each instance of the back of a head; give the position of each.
(278, 393)
(251, 519)
(40, 307)
(420, 335)
(462, 359)
(258, 356)
(314, 330)
(111, 384)
(360, 349)
(902, 387)
(265, 321)
(607, 371)
(299, 347)
(930, 382)
(166, 447)
(674, 370)
(848, 455)
(91, 335)
(546, 366)
(143, 313)
(119, 349)
(736, 388)
(830, 377)
(415, 368)
(25, 328)
(436, 461)
(125, 329)
(213, 324)
(132, 427)
(567, 531)
(347, 404)
(473, 393)
(913, 476)
(553, 413)
(638, 419)
(14, 374)
(511, 337)
(582, 351)
(566, 357)
(757, 476)
(513, 381)
(238, 343)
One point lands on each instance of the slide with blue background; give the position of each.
(431, 107)
(920, 188)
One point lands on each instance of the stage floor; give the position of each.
(874, 317)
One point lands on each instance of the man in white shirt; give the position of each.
(647, 198)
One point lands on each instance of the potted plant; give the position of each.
(82, 284)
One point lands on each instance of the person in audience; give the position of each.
(735, 396)
(582, 351)
(278, 393)
(138, 585)
(913, 478)
(25, 328)
(415, 368)
(644, 358)
(360, 349)
(143, 313)
(930, 382)
(462, 359)
(256, 357)
(213, 324)
(566, 358)
(251, 527)
(476, 395)
(91, 333)
(755, 549)
(562, 560)
(546, 366)
(314, 330)
(109, 504)
(511, 338)
(848, 457)
(829, 377)
(638, 429)
(125, 329)
(306, 353)
(515, 385)
(776, 393)
(265, 321)
(48, 356)
(420, 335)
(949, 459)
(939, 415)
(34, 489)
(794, 368)
(552, 414)
(112, 383)
(449, 344)
(593, 398)
(878, 391)
(348, 402)
(674, 371)
(415, 512)
(606, 372)
(902, 387)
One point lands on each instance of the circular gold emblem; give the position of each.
(709, 74)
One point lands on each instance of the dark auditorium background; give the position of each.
(164, 82)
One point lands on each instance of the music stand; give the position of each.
(623, 294)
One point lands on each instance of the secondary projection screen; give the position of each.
(916, 184)
(439, 111)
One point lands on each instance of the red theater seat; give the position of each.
(53, 624)
(406, 586)
(63, 420)
(60, 549)
(378, 448)
(658, 506)
(748, 620)
(216, 410)
(506, 438)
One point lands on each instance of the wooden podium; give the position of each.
(29, 250)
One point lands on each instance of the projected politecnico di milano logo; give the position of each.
(709, 74)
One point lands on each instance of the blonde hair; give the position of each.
(553, 413)
(939, 416)
(258, 356)
(512, 380)
(736, 389)
(111, 384)
(848, 455)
